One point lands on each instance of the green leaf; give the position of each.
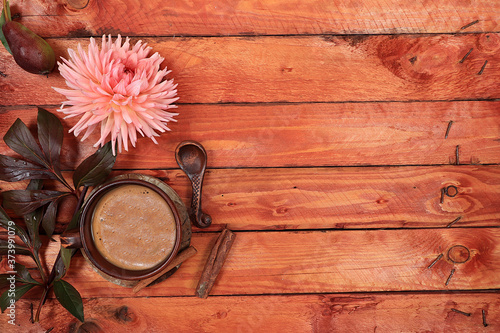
(49, 218)
(24, 275)
(50, 136)
(18, 249)
(69, 298)
(8, 295)
(13, 169)
(8, 225)
(23, 202)
(2, 22)
(95, 168)
(20, 140)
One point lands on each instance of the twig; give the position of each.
(215, 262)
(457, 157)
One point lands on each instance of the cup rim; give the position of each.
(87, 240)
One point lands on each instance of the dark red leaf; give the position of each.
(23, 202)
(13, 170)
(69, 298)
(95, 168)
(20, 140)
(49, 218)
(50, 136)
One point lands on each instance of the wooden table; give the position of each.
(326, 125)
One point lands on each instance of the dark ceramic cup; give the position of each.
(83, 236)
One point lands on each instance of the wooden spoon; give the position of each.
(192, 159)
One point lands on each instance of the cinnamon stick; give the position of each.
(181, 257)
(215, 262)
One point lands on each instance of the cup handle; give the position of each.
(71, 239)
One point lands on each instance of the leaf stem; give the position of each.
(39, 265)
(81, 198)
(42, 301)
(52, 276)
(61, 179)
(53, 272)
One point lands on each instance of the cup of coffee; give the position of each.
(131, 227)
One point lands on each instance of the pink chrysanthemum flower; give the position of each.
(119, 88)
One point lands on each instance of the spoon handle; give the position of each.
(199, 219)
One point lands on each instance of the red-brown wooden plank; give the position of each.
(394, 312)
(154, 17)
(321, 262)
(333, 134)
(345, 198)
(301, 69)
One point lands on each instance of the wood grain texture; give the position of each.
(301, 69)
(303, 135)
(321, 262)
(414, 312)
(198, 17)
(334, 198)
(317, 116)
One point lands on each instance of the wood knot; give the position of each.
(78, 4)
(421, 61)
(123, 314)
(7, 88)
(382, 201)
(221, 314)
(89, 327)
(281, 210)
(458, 254)
(488, 43)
